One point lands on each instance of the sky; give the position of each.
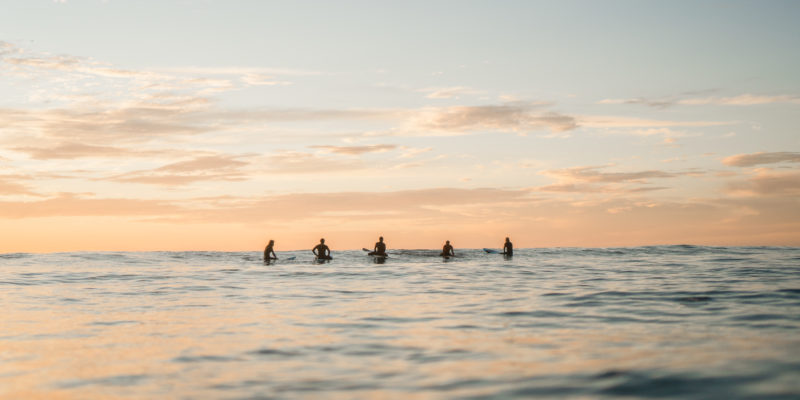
(219, 125)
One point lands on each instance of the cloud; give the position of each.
(165, 116)
(70, 204)
(423, 203)
(448, 92)
(752, 159)
(768, 183)
(739, 100)
(594, 175)
(411, 152)
(592, 179)
(592, 188)
(97, 101)
(71, 150)
(263, 80)
(7, 48)
(294, 162)
(640, 100)
(609, 121)
(91, 126)
(9, 185)
(512, 117)
(356, 150)
(205, 168)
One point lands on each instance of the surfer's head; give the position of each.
(380, 239)
(322, 240)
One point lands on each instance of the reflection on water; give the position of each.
(675, 321)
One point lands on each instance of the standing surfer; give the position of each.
(268, 250)
(447, 250)
(380, 248)
(508, 248)
(322, 251)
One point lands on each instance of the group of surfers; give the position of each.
(323, 252)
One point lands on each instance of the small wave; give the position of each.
(694, 299)
(112, 323)
(14, 256)
(762, 317)
(116, 380)
(204, 358)
(274, 352)
(653, 384)
(535, 314)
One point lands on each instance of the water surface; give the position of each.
(647, 322)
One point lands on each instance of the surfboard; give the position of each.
(370, 253)
(491, 251)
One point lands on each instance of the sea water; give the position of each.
(646, 322)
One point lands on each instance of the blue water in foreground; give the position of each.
(677, 322)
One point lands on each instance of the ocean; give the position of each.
(682, 322)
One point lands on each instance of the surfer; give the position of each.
(322, 251)
(447, 250)
(508, 248)
(380, 248)
(268, 250)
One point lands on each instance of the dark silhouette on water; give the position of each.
(380, 248)
(447, 250)
(268, 250)
(322, 251)
(508, 248)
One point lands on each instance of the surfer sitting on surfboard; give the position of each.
(447, 250)
(268, 250)
(508, 248)
(322, 251)
(380, 248)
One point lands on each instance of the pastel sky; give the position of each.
(218, 125)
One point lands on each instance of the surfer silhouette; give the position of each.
(447, 250)
(268, 250)
(322, 251)
(508, 248)
(380, 248)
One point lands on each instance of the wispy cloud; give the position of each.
(296, 162)
(512, 117)
(592, 188)
(742, 100)
(70, 204)
(611, 121)
(71, 150)
(356, 150)
(11, 185)
(738, 100)
(768, 183)
(205, 168)
(753, 159)
(639, 100)
(595, 179)
(452, 92)
(594, 174)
